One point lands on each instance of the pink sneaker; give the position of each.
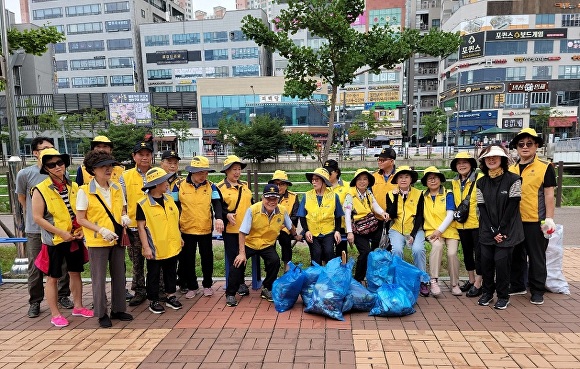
(83, 312)
(207, 292)
(59, 321)
(435, 290)
(191, 294)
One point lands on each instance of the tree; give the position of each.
(434, 123)
(124, 137)
(302, 144)
(258, 141)
(364, 127)
(164, 122)
(345, 51)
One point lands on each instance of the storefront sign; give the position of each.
(512, 123)
(526, 34)
(172, 57)
(376, 96)
(355, 98)
(472, 46)
(528, 87)
(521, 59)
(384, 87)
(270, 98)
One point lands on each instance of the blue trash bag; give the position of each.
(407, 276)
(286, 289)
(331, 289)
(378, 264)
(310, 277)
(392, 300)
(359, 298)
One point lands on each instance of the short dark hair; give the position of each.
(94, 157)
(36, 141)
(504, 160)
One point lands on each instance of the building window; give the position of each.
(543, 47)
(218, 54)
(81, 28)
(79, 10)
(159, 74)
(214, 37)
(63, 83)
(161, 89)
(118, 25)
(545, 20)
(515, 100)
(87, 64)
(217, 72)
(124, 80)
(60, 48)
(571, 20)
(570, 46)
(506, 48)
(186, 88)
(382, 17)
(245, 53)
(59, 28)
(542, 72)
(142, 13)
(436, 23)
(539, 99)
(61, 65)
(157, 40)
(238, 36)
(515, 74)
(384, 77)
(49, 13)
(120, 63)
(245, 70)
(120, 44)
(98, 81)
(569, 71)
(186, 38)
(117, 7)
(84, 46)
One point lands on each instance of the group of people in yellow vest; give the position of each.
(162, 219)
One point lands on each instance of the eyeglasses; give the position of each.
(53, 164)
(521, 145)
(383, 160)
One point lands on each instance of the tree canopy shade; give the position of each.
(345, 53)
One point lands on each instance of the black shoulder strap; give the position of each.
(108, 212)
(468, 197)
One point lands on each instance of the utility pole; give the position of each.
(455, 149)
(417, 108)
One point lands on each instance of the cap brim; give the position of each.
(191, 169)
(171, 157)
(370, 177)
(272, 195)
(157, 181)
(414, 176)
(326, 181)
(64, 157)
(453, 164)
(440, 175)
(107, 162)
(226, 167)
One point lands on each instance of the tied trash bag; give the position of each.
(359, 298)
(331, 289)
(286, 289)
(378, 264)
(392, 300)
(310, 277)
(407, 276)
(555, 281)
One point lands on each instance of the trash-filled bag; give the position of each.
(378, 264)
(286, 289)
(385, 241)
(555, 281)
(408, 276)
(310, 277)
(331, 289)
(359, 298)
(392, 300)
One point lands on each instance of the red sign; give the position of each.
(562, 121)
(528, 87)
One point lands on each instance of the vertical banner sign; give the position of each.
(472, 46)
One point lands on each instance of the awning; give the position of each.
(165, 139)
(470, 128)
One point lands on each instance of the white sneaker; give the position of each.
(435, 290)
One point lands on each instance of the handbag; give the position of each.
(119, 229)
(367, 224)
(461, 212)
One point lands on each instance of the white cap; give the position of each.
(494, 151)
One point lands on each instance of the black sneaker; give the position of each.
(128, 295)
(485, 299)
(474, 292)
(266, 294)
(466, 286)
(156, 308)
(243, 290)
(137, 299)
(34, 310)
(66, 302)
(501, 304)
(122, 316)
(173, 303)
(105, 322)
(231, 301)
(537, 299)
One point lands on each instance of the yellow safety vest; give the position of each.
(56, 212)
(533, 203)
(162, 226)
(196, 211)
(406, 211)
(361, 207)
(133, 184)
(381, 189)
(230, 195)
(320, 219)
(264, 231)
(458, 196)
(288, 203)
(97, 215)
(434, 213)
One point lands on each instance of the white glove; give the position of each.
(125, 220)
(549, 222)
(108, 234)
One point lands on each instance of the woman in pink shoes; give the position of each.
(53, 209)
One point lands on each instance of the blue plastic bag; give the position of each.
(392, 300)
(379, 262)
(359, 298)
(310, 277)
(407, 276)
(286, 289)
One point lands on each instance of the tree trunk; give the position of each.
(326, 151)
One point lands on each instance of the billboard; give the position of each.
(472, 46)
(129, 108)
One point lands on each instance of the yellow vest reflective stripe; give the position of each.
(115, 175)
(320, 219)
(533, 203)
(133, 184)
(230, 195)
(264, 231)
(56, 211)
(288, 203)
(162, 226)
(360, 207)
(434, 213)
(458, 196)
(97, 215)
(381, 188)
(406, 211)
(196, 211)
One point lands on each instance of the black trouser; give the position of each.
(154, 268)
(186, 270)
(285, 241)
(271, 264)
(321, 248)
(534, 246)
(470, 245)
(496, 260)
(363, 245)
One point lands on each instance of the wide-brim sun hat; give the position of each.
(101, 140)
(103, 163)
(494, 151)
(432, 170)
(156, 176)
(199, 164)
(463, 155)
(530, 132)
(322, 173)
(360, 171)
(281, 176)
(405, 169)
(49, 153)
(231, 160)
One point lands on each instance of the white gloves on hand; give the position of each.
(108, 234)
(549, 222)
(125, 220)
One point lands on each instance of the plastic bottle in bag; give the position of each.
(546, 230)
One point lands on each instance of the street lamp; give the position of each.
(61, 120)
(417, 106)
(253, 93)
(448, 113)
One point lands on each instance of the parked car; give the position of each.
(362, 150)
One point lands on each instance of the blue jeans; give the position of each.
(398, 242)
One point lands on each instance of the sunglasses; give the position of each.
(521, 145)
(54, 164)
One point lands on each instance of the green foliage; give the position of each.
(345, 51)
(434, 123)
(124, 137)
(302, 144)
(364, 127)
(33, 41)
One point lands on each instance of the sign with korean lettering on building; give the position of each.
(526, 34)
(472, 46)
(129, 108)
(563, 116)
(172, 57)
(528, 87)
(264, 99)
(354, 98)
(376, 96)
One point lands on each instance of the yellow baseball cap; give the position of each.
(281, 176)
(199, 164)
